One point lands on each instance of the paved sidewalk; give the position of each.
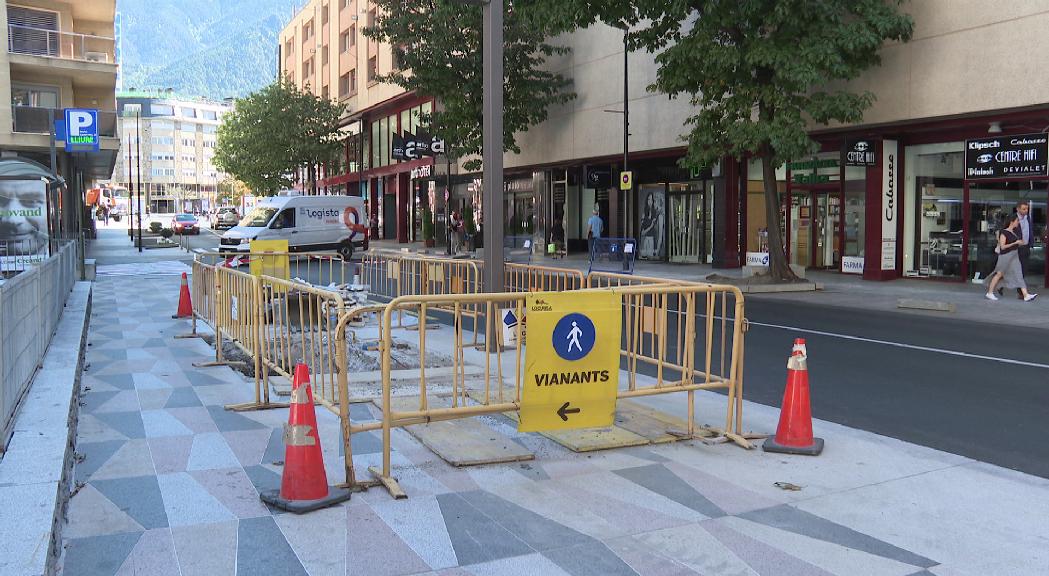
(846, 290)
(171, 482)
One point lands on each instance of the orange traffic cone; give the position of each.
(185, 304)
(794, 434)
(304, 484)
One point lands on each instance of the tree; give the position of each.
(271, 133)
(438, 46)
(231, 190)
(758, 72)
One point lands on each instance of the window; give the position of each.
(344, 85)
(210, 115)
(371, 18)
(189, 142)
(289, 48)
(286, 219)
(353, 81)
(209, 128)
(344, 4)
(37, 96)
(28, 31)
(161, 110)
(163, 125)
(344, 41)
(307, 31)
(373, 68)
(398, 57)
(353, 35)
(324, 92)
(324, 56)
(189, 112)
(163, 141)
(324, 15)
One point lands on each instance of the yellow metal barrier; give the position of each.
(317, 268)
(675, 330)
(614, 280)
(535, 278)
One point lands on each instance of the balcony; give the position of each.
(62, 45)
(33, 120)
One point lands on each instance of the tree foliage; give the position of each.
(758, 72)
(439, 45)
(272, 132)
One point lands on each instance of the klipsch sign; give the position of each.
(1007, 156)
(860, 152)
(889, 209)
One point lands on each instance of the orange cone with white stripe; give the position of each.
(794, 434)
(185, 303)
(304, 484)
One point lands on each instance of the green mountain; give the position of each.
(211, 48)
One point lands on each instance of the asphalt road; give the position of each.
(978, 390)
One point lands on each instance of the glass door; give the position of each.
(801, 228)
(826, 227)
(686, 227)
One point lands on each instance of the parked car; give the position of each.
(308, 223)
(226, 217)
(185, 224)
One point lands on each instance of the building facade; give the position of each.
(323, 49)
(58, 55)
(176, 140)
(886, 198)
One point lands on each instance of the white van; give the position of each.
(308, 223)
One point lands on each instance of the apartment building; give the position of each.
(58, 55)
(323, 49)
(176, 139)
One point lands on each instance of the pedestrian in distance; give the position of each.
(455, 224)
(1007, 270)
(594, 226)
(1026, 233)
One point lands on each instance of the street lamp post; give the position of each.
(492, 146)
(138, 161)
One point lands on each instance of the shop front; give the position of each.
(958, 193)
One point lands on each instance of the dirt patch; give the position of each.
(360, 357)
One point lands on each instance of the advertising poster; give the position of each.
(653, 221)
(23, 223)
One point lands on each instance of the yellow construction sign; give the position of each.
(269, 258)
(571, 360)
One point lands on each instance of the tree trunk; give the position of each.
(778, 268)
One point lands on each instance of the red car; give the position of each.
(185, 224)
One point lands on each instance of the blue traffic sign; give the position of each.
(81, 129)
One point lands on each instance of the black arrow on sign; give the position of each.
(564, 411)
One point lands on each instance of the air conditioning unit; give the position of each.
(96, 56)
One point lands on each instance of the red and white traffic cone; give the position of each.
(185, 303)
(794, 434)
(304, 483)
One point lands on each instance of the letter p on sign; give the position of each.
(81, 130)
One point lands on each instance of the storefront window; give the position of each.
(989, 203)
(933, 190)
(757, 223)
(652, 223)
(374, 144)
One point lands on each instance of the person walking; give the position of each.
(1007, 270)
(455, 224)
(594, 226)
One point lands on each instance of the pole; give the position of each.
(493, 146)
(448, 205)
(131, 191)
(138, 162)
(626, 123)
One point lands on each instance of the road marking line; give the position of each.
(902, 345)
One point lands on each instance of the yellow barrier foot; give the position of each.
(429, 326)
(390, 483)
(190, 335)
(361, 486)
(249, 406)
(212, 364)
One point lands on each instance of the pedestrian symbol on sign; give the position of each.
(574, 337)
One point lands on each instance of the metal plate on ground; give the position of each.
(636, 425)
(465, 442)
(654, 425)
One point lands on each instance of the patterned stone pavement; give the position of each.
(171, 483)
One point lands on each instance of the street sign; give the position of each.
(571, 361)
(81, 130)
(626, 180)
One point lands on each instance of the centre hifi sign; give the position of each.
(1023, 155)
